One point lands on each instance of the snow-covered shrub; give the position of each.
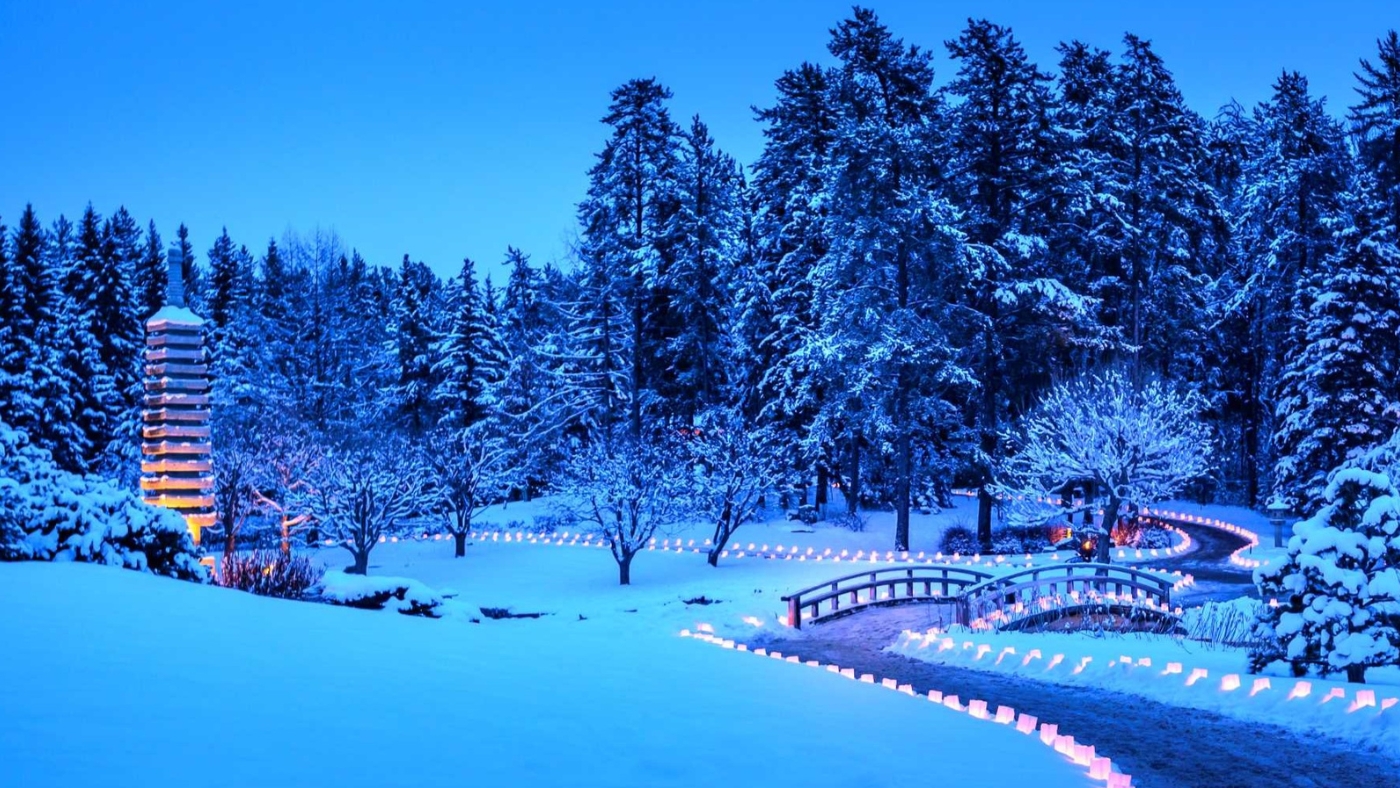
(1338, 591)
(547, 524)
(269, 573)
(1005, 542)
(48, 514)
(403, 594)
(1154, 539)
(958, 539)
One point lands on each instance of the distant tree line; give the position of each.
(901, 274)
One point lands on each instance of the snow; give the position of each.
(126, 677)
(176, 314)
(1162, 668)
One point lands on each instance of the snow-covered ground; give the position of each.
(1181, 673)
(122, 679)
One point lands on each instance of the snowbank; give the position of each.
(392, 700)
(1180, 673)
(407, 596)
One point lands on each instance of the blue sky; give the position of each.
(452, 129)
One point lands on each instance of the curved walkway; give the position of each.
(1209, 562)
(1162, 746)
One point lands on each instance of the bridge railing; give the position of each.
(1064, 581)
(880, 587)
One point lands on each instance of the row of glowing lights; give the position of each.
(753, 550)
(1100, 768)
(1230, 684)
(1238, 557)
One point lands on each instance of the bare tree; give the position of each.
(283, 483)
(236, 459)
(470, 470)
(629, 489)
(361, 495)
(1137, 444)
(734, 464)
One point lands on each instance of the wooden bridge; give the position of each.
(845, 595)
(1002, 601)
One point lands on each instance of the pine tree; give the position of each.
(1336, 591)
(470, 358)
(525, 385)
(1377, 121)
(704, 240)
(1342, 397)
(791, 235)
(152, 274)
(621, 321)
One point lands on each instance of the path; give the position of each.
(1162, 746)
(1216, 578)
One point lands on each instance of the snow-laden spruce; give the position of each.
(1338, 592)
(47, 514)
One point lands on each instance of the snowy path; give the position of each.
(1160, 745)
(1216, 578)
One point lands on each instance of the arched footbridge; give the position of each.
(999, 601)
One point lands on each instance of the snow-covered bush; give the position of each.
(47, 514)
(960, 540)
(1338, 591)
(403, 594)
(269, 573)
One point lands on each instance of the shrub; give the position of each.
(269, 573)
(852, 522)
(405, 595)
(549, 524)
(47, 514)
(958, 539)
(807, 515)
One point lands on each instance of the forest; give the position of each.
(872, 305)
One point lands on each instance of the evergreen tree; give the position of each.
(152, 274)
(1342, 397)
(704, 239)
(621, 320)
(1377, 121)
(790, 235)
(470, 358)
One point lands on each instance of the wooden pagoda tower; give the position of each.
(177, 468)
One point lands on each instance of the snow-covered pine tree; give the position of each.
(1338, 591)
(1019, 318)
(415, 335)
(527, 384)
(619, 325)
(791, 236)
(1376, 118)
(470, 359)
(152, 274)
(27, 313)
(880, 289)
(74, 356)
(704, 238)
(1340, 395)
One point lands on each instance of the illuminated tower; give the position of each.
(177, 468)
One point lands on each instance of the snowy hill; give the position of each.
(123, 679)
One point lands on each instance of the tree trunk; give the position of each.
(984, 518)
(230, 546)
(624, 569)
(459, 539)
(1356, 674)
(901, 492)
(361, 565)
(853, 483)
(1104, 550)
(823, 483)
